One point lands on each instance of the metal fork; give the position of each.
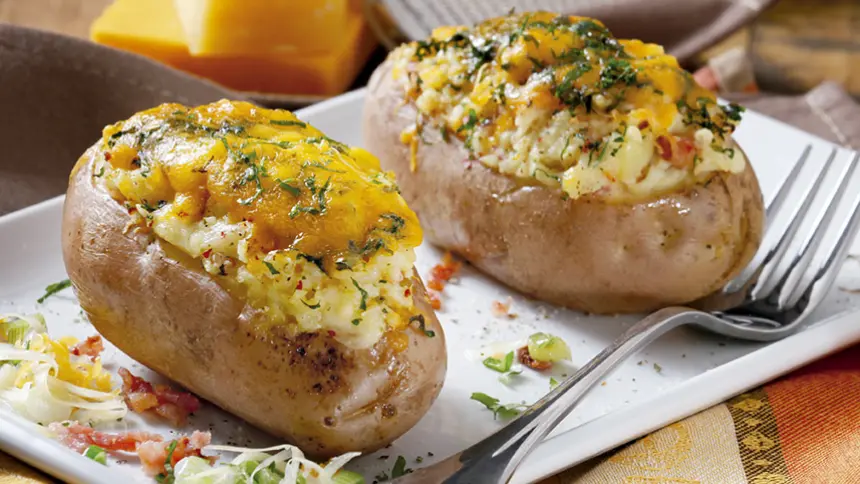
(768, 301)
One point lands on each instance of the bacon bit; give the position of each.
(440, 274)
(436, 284)
(107, 156)
(207, 253)
(172, 405)
(78, 437)
(524, 357)
(686, 153)
(92, 347)
(332, 333)
(435, 302)
(500, 309)
(153, 454)
(665, 146)
(299, 285)
(643, 125)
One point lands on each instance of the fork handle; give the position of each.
(597, 369)
(494, 459)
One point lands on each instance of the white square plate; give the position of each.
(682, 373)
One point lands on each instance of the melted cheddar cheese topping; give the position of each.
(307, 230)
(559, 100)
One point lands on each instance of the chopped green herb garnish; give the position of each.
(500, 365)
(317, 261)
(504, 411)
(356, 322)
(422, 325)
(271, 268)
(167, 476)
(371, 246)
(322, 166)
(312, 306)
(284, 184)
(397, 222)
(53, 289)
(552, 383)
(288, 122)
(470, 123)
(400, 469)
(361, 290)
(101, 172)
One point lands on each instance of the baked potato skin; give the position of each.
(176, 319)
(583, 254)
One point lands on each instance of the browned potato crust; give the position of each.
(171, 316)
(584, 254)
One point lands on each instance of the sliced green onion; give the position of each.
(347, 477)
(15, 331)
(269, 475)
(548, 348)
(97, 454)
(248, 466)
(53, 289)
(500, 365)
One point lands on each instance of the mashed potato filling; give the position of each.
(560, 101)
(310, 232)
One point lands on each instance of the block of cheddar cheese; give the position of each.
(240, 27)
(152, 28)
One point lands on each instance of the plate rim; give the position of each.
(560, 452)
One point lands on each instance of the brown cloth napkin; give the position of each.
(57, 93)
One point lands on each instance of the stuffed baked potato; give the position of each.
(581, 169)
(262, 265)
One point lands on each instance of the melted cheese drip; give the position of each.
(308, 231)
(303, 191)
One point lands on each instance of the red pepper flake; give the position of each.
(107, 156)
(643, 125)
(332, 333)
(524, 357)
(223, 235)
(407, 292)
(207, 253)
(299, 285)
(183, 214)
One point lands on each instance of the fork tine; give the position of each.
(776, 204)
(766, 283)
(762, 257)
(830, 267)
(791, 278)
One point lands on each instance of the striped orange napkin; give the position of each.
(803, 428)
